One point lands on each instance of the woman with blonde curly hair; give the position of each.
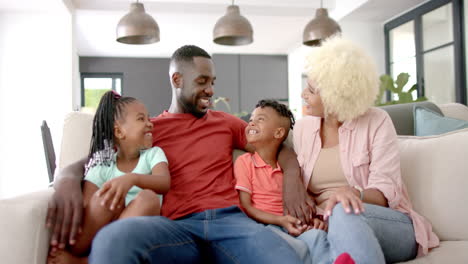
(348, 153)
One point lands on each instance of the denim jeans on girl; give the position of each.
(223, 235)
(379, 235)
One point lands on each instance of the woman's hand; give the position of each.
(115, 190)
(292, 224)
(348, 197)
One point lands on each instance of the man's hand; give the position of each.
(64, 214)
(115, 190)
(293, 225)
(297, 202)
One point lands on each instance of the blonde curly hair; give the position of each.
(345, 77)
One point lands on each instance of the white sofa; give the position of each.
(434, 168)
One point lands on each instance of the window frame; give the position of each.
(458, 44)
(113, 75)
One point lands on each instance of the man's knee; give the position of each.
(130, 229)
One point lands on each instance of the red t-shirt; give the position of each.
(199, 152)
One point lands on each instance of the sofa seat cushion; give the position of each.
(449, 252)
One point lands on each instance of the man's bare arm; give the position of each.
(64, 214)
(296, 201)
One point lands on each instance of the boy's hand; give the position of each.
(115, 190)
(293, 225)
(318, 224)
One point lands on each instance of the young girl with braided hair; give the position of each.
(123, 175)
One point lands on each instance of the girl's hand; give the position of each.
(292, 224)
(347, 196)
(115, 190)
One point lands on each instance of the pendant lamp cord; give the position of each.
(232, 3)
(321, 3)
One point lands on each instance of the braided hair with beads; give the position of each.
(102, 149)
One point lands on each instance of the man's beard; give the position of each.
(191, 109)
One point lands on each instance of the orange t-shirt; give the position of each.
(199, 153)
(264, 183)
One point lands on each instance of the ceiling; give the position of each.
(277, 24)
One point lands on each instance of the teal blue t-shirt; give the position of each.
(100, 174)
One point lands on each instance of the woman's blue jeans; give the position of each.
(379, 235)
(224, 235)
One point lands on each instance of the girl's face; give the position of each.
(312, 99)
(135, 128)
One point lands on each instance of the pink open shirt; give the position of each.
(370, 159)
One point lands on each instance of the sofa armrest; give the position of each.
(24, 237)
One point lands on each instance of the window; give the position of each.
(94, 85)
(427, 43)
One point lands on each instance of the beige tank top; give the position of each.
(327, 175)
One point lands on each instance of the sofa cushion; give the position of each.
(428, 122)
(454, 110)
(24, 236)
(435, 170)
(76, 139)
(450, 252)
(402, 115)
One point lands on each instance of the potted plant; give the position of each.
(396, 87)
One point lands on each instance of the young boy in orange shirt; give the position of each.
(259, 178)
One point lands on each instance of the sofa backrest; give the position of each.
(435, 170)
(76, 137)
(455, 110)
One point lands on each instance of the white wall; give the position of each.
(36, 54)
(368, 35)
(465, 14)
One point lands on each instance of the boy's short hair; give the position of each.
(281, 109)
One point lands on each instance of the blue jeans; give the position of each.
(379, 235)
(299, 246)
(224, 235)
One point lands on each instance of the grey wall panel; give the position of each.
(261, 77)
(144, 78)
(227, 80)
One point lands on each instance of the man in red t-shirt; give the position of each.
(204, 222)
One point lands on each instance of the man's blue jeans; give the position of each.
(379, 235)
(224, 235)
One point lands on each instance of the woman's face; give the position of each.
(312, 100)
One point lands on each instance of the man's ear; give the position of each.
(280, 132)
(176, 80)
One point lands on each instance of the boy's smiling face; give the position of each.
(264, 126)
